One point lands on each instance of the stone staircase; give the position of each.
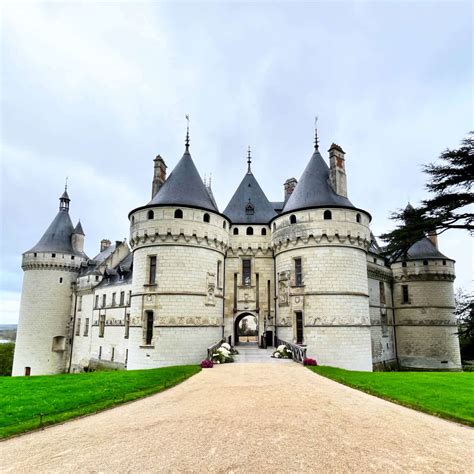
(251, 353)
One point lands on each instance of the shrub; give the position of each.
(6, 358)
(309, 361)
(282, 352)
(207, 364)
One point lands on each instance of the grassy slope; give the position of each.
(446, 394)
(61, 397)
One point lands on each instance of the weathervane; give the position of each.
(316, 141)
(65, 185)
(249, 159)
(187, 134)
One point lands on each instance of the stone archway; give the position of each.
(246, 329)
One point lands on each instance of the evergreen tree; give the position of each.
(450, 182)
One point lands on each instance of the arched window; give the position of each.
(327, 215)
(358, 218)
(249, 230)
(224, 224)
(178, 214)
(274, 227)
(236, 231)
(264, 231)
(206, 217)
(404, 264)
(292, 219)
(425, 262)
(133, 219)
(150, 215)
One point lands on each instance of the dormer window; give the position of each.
(249, 208)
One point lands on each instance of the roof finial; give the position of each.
(316, 140)
(209, 184)
(65, 186)
(249, 159)
(187, 134)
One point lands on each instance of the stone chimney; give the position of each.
(104, 244)
(159, 175)
(337, 170)
(433, 237)
(289, 187)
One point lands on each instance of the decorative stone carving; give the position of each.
(211, 288)
(283, 288)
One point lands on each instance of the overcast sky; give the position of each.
(94, 91)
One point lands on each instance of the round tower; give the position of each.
(423, 297)
(320, 242)
(179, 241)
(50, 270)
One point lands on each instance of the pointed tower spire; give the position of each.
(187, 134)
(316, 139)
(249, 160)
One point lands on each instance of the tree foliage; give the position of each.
(450, 185)
(6, 358)
(465, 315)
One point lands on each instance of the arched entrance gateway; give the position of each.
(246, 329)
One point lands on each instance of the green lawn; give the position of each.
(445, 394)
(65, 396)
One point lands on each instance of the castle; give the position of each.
(308, 268)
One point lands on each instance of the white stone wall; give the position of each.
(426, 325)
(45, 312)
(334, 296)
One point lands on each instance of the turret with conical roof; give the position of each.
(50, 269)
(179, 240)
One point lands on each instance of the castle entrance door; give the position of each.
(246, 329)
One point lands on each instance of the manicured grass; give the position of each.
(65, 396)
(446, 394)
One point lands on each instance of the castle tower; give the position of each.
(50, 270)
(320, 242)
(249, 264)
(423, 297)
(179, 241)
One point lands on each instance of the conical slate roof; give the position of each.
(184, 187)
(314, 189)
(249, 205)
(57, 237)
(423, 249)
(78, 229)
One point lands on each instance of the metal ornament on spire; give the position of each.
(65, 186)
(187, 134)
(249, 160)
(316, 140)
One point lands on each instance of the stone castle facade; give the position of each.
(308, 268)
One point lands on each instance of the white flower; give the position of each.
(226, 346)
(281, 348)
(223, 351)
(277, 355)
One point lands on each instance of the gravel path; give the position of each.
(248, 418)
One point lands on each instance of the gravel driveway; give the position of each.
(248, 418)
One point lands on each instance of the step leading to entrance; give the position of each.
(251, 353)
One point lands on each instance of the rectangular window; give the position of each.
(405, 294)
(129, 298)
(299, 327)
(127, 325)
(104, 300)
(152, 270)
(383, 323)
(298, 272)
(114, 296)
(101, 325)
(382, 292)
(96, 304)
(78, 327)
(246, 271)
(86, 327)
(122, 298)
(218, 278)
(148, 327)
(79, 303)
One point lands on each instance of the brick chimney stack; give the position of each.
(337, 170)
(159, 175)
(289, 187)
